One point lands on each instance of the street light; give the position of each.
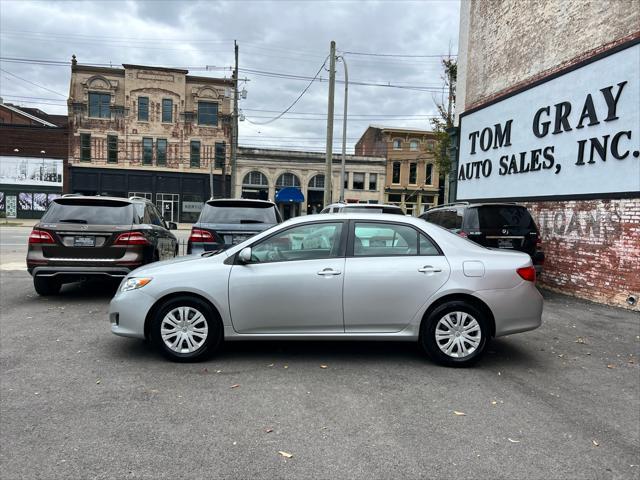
(344, 127)
(42, 152)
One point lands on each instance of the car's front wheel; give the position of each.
(46, 286)
(186, 329)
(455, 334)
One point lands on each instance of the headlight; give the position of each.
(134, 284)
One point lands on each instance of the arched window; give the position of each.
(414, 145)
(317, 182)
(397, 144)
(287, 180)
(255, 185)
(255, 179)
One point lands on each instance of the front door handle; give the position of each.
(329, 271)
(429, 269)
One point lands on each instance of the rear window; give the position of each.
(237, 213)
(89, 212)
(493, 217)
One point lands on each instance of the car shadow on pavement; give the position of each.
(88, 289)
(500, 353)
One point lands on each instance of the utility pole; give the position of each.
(211, 160)
(344, 127)
(234, 126)
(332, 85)
(449, 125)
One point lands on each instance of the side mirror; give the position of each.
(245, 255)
(172, 225)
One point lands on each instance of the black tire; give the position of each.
(212, 341)
(429, 342)
(46, 286)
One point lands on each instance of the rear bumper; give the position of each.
(515, 310)
(71, 274)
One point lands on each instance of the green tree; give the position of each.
(445, 117)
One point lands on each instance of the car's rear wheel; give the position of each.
(46, 286)
(455, 334)
(186, 329)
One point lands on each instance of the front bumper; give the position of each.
(128, 312)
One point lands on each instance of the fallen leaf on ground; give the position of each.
(286, 366)
(595, 444)
(611, 365)
(270, 365)
(235, 385)
(323, 366)
(581, 340)
(513, 441)
(460, 414)
(218, 371)
(98, 382)
(285, 454)
(269, 430)
(493, 402)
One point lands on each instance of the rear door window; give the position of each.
(89, 212)
(381, 239)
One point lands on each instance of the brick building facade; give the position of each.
(149, 131)
(547, 51)
(412, 178)
(34, 148)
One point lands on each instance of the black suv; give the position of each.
(80, 237)
(226, 222)
(495, 225)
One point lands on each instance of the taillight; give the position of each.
(198, 235)
(40, 236)
(527, 273)
(131, 238)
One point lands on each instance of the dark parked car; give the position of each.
(226, 222)
(81, 237)
(362, 208)
(496, 225)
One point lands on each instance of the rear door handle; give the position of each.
(429, 269)
(328, 271)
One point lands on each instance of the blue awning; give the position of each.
(289, 194)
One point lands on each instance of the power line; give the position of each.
(296, 100)
(28, 81)
(399, 55)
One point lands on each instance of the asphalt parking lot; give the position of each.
(78, 402)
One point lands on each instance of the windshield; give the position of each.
(236, 214)
(89, 212)
(500, 216)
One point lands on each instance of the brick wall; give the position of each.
(592, 248)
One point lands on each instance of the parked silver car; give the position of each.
(337, 276)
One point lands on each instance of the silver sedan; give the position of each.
(346, 276)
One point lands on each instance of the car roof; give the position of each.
(74, 198)
(346, 215)
(214, 201)
(474, 205)
(362, 205)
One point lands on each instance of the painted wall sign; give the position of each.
(575, 134)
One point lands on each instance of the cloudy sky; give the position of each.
(283, 44)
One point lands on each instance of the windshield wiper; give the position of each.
(211, 253)
(72, 220)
